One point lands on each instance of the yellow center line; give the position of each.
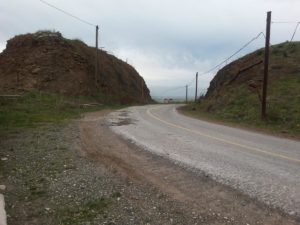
(219, 139)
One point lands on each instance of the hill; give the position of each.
(234, 94)
(48, 62)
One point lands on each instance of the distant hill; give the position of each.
(234, 93)
(48, 62)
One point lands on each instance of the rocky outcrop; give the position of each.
(48, 62)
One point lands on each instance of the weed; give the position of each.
(87, 212)
(116, 195)
(36, 108)
(243, 107)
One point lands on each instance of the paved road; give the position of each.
(262, 166)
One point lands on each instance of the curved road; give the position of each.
(262, 166)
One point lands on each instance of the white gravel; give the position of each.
(231, 156)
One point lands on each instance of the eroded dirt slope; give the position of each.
(49, 62)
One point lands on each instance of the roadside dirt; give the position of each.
(200, 198)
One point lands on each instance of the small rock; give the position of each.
(292, 213)
(4, 158)
(2, 187)
(36, 70)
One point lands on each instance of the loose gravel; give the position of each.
(49, 182)
(51, 178)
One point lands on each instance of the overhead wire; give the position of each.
(206, 72)
(172, 89)
(238, 51)
(235, 53)
(295, 31)
(192, 81)
(220, 64)
(285, 22)
(67, 13)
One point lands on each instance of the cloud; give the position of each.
(166, 41)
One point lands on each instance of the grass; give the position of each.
(87, 212)
(38, 154)
(35, 108)
(237, 103)
(241, 107)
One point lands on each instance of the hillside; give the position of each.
(234, 94)
(48, 62)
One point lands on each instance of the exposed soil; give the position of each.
(48, 62)
(211, 202)
(249, 70)
(82, 173)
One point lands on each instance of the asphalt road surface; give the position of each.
(266, 168)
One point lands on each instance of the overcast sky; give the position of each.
(167, 41)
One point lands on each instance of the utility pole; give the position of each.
(142, 91)
(186, 94)
(96, 58)
(266, 68)
(196, 91)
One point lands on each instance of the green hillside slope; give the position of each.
(234, 95)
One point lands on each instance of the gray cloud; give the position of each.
(166, 41)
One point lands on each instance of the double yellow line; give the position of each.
(149, 112)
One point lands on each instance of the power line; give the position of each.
(67, 13)
(238, 51)
(192, 81)
(172, 89)
(285, 22)
(295, 31)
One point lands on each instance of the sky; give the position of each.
(167, 41)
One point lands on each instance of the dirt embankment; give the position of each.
(49, 62)
(235, 93)
(249, 70)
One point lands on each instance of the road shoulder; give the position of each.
(212, 202)
(182, 110)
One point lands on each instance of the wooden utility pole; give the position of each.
(266, 68)
(96, 58)
(196, 91)
(186, 94)
(142, 91)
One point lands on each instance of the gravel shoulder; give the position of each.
(83, 173)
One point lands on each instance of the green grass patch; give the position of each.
(35, 108)
(87, 212)
(240, 106)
